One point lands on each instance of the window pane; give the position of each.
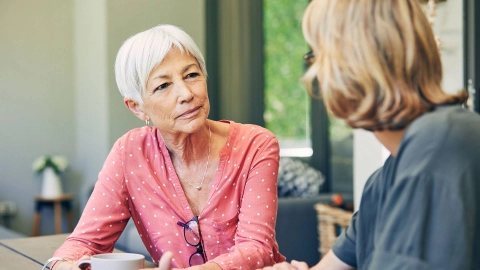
(287, 104)
(286, 101)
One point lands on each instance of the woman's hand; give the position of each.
(165, 262)
(329, 262)
(294, 265)
(69, 264)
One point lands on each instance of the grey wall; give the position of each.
(37, 111)
(126, 18)
(58, 91)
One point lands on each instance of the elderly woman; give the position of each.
(202, 190)
(378, 68)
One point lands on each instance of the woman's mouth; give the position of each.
(190, 113)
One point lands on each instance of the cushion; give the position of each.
(298, 179)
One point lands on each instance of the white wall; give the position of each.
(368, 155)
(57, 87)
(448, 26)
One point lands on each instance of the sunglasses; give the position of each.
(309, 58)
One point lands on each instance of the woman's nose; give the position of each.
(185, 94)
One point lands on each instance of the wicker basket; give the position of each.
(331, 222)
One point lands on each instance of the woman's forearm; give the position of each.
(331, 262)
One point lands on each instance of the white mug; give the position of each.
(117, 261)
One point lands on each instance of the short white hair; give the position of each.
(143, 52)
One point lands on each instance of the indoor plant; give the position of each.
(50, 167)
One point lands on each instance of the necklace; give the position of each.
(206, 166)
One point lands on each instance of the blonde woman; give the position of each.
(379, 69)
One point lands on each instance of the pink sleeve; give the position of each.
(255, 244)
(105, 215)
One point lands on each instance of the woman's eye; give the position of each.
(162, 86)
(193, 75)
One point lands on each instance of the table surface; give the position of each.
(30, 253)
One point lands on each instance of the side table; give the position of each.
(63, 201)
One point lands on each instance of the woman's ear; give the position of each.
(135, 108)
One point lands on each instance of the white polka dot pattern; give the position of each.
(237, 223)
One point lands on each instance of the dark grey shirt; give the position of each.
(421, 210)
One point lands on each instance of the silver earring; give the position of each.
(147, 122)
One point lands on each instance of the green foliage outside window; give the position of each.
(287, 104)
(286, 101)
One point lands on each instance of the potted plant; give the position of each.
(50, 167)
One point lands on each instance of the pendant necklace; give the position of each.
(206, 166)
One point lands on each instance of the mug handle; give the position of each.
(83, 262)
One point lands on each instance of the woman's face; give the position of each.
(176, 98)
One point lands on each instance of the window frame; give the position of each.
(251, 12)
(471, 50)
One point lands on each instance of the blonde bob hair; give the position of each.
(376, 61)
(143, 52)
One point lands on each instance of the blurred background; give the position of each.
(59, 95)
